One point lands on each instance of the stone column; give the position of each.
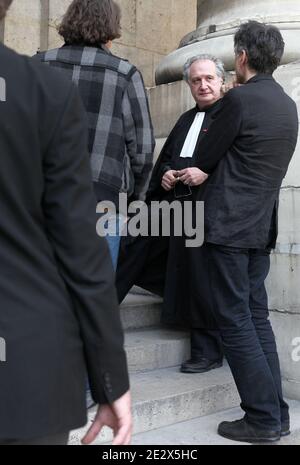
(217, 23)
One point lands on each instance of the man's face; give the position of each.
(204, 83)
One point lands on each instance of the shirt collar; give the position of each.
(260, 77)
(82, 44)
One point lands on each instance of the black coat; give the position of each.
(58, 312)
(166, 266)
(247, 150)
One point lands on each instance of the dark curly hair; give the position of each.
(4, 5)
(91, 22)
(263, 44)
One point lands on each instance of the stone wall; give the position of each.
(283, 281)
(150, 28)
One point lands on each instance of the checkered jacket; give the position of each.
(121, 141)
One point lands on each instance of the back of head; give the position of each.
(263, 44)
(91, 22)
(4, 5)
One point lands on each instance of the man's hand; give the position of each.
(169, 180)
(118, 417)
(192, 176)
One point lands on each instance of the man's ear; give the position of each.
(244, 57)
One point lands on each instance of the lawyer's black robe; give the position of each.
(165, 266)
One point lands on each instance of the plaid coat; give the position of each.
(121, 141)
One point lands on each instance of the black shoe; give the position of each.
(200, 365)
(285, 429)
(241, 430)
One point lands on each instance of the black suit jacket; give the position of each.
(247, 150)
(58, 310)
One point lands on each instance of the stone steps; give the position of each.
(161, 395)
(140, 311)
(152, 349)
(203, 430)
(166, 397)
(198, 431)
(170, 407)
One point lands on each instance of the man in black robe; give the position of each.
(164, 265)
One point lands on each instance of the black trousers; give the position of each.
(206, 343)
(240, 306)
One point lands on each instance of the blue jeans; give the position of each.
(114, 228)
(114, 246)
